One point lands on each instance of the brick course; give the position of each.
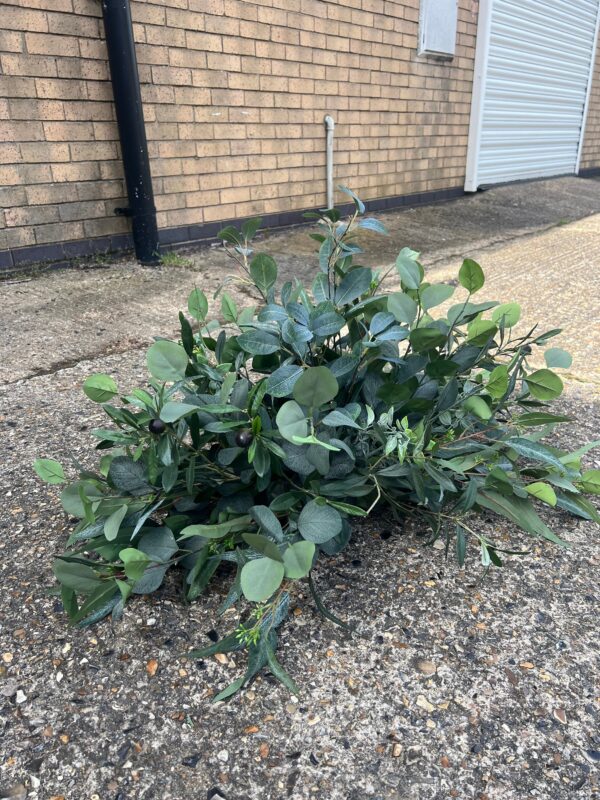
(590, 153)
(234, 97)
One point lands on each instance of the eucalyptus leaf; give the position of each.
(435, 294)
(319, 522)
(291, 421)
(261, 578)
(315, 387)
(556, 357)
(298, 559)
(167, 361)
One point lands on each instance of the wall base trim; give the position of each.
(63, 254)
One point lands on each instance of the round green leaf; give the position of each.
(433, 295)
(478, 407)
(134, 561)
(402, 307)
(507, 314)
(298, 559)
(167, 361)
(291, 421)
(557, 357)
(260, 578)
(70, 496)
(100, 388)
(544, 384)
(198, 305)
(319, 522)
(315, 387)
(49, 470)
(543, 491)
(471, 276)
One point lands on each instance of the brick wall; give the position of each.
(234, 97)
(590, 154)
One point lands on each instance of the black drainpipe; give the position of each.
(132, 133)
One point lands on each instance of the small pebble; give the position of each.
(426, 667)
(560, 715)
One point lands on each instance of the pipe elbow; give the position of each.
(329, 122)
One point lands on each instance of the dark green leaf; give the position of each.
(257, 342)
(423, 339)
(471, 276)
(353, 285)
(128, 476)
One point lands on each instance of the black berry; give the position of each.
(243, 438)
(156, 426)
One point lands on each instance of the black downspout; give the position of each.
(132, 132)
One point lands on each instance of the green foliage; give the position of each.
(171, 258)
(263, 434)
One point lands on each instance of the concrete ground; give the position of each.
(454, 688)
(57, 319)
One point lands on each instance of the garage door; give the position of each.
(532, 71)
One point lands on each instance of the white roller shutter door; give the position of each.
(533, 86)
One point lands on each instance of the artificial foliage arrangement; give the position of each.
(263, 435)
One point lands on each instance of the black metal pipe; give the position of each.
(132, 132)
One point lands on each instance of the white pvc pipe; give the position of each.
(329, 126)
